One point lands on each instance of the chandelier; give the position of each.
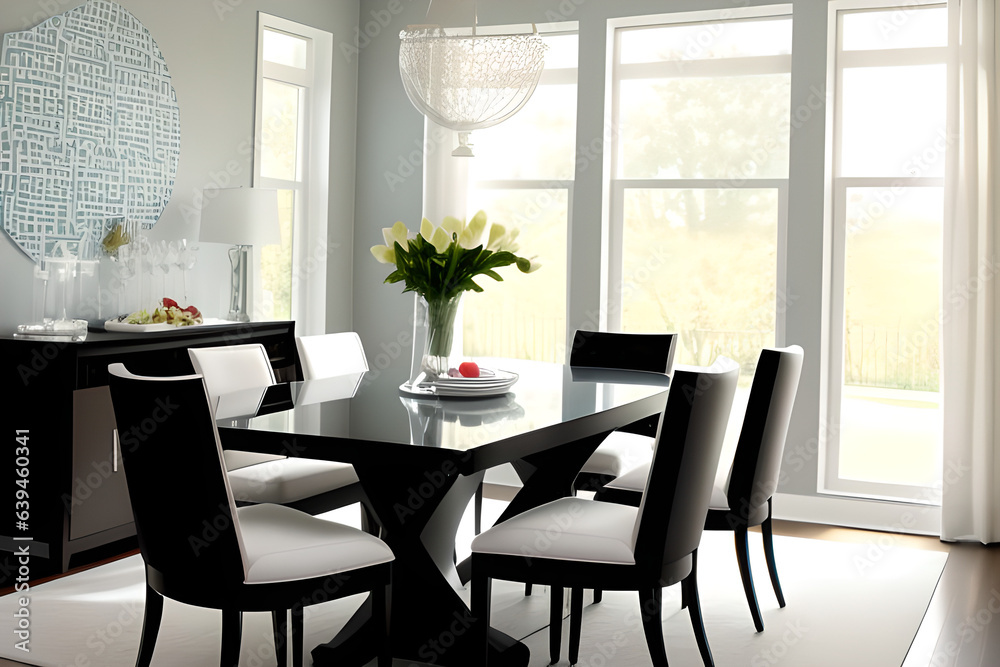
(466, 81)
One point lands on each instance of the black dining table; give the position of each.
(420, 461)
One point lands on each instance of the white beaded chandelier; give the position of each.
(467, 81)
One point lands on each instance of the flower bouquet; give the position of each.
(439, 264)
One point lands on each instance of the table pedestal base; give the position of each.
(419, 510)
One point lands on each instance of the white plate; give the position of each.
(115, 325)
(488, 376)
(460, 387)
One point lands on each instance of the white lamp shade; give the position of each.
(241, 216)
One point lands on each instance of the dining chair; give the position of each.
(591, 544)
(631, 445)
(304, 484)
(200, 549)
(327, 355)
(743, 498)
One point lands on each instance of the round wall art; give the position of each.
(89, 130)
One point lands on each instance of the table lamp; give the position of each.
(243, 217)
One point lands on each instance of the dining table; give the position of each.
(420, 459)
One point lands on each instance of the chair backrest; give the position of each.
(181, 500)
(753, 477)
(686, 457)
(327, 355)
(653, 352)
(229, 368)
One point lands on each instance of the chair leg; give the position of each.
(555, 623)
(575, 624)
(151, 616)
(478, 509)
(527, 590)
(772, 568)
(380, 615)
(296, 637)
(279, 622)
(689, 591)
(743, 558)
(232, 628)
(481, 589)
(651, 612)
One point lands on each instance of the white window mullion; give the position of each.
(710, 67)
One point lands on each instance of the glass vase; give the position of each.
(436, 337)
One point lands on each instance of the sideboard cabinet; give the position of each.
(66, 494)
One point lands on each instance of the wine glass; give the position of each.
(167, 257)
(186, 259)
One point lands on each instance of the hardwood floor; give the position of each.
(962, 625)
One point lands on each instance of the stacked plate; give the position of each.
(489, 383)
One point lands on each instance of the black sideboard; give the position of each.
(70, 498)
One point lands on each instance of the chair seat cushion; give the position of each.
(235, 459)
(635, 480)
(619, 452)
(565, 529)
(287, 480)
(283, 544)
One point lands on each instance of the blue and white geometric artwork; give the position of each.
(89, 130)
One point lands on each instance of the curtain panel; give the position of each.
(970, 508)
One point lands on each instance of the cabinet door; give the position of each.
(98, 496)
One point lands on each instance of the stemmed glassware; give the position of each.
(167, 257)
(185, 261)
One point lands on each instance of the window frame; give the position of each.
(616, 186)
(440, 166)
(311, 184)
(828, 469)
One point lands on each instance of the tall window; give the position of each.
(522, 176)
(889, 146)
(292, 126)
(699, 169)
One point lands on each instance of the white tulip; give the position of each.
(384, 254)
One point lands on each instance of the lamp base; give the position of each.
(239, 257)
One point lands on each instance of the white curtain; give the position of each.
(971, 486)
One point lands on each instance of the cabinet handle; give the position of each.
(114, 451)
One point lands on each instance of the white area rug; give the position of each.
(848, 604)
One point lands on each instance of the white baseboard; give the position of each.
(859, 513)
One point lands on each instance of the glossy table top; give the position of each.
(330, 417)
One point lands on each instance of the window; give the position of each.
(291, 155)
(889, 143)
(698, 179)
(522, 176)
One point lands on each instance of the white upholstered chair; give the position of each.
(200, 549)
(632, 445)
(625, 448)
(306, 484)
(619, 547)
(743, 497)
(326, 355)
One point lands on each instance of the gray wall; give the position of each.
(210, 49)
(389, 130)
(211, 59)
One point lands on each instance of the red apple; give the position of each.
(468, 369)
